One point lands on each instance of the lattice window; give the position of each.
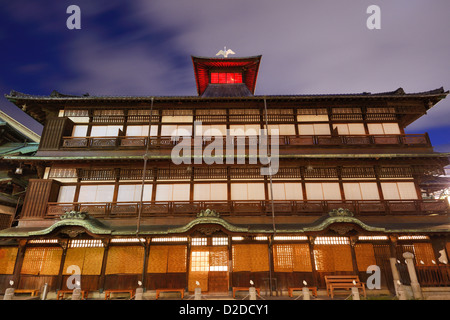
(380, 114)
(97, 174)
(291, 258)
(76, 113)
(358, 172)
(87, 243)
(395, 172)
(43, 241)
(42, 261)
(171, 239)
(136, 174)
(279, 115)
(290, 238)
(112, 115)
(246, 173)
(211, 115)
(244, 115)
(142, 116)
(220, 241)
(373, 238)
(173, 174)
(127, 240)
(287, 173)
(321, 173)
(331, 240)
(199, 261)
(311, 111)
(56, 173)
(346, 114)
(210, 173)
(419, 237)
(199, 241)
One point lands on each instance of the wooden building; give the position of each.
(113, 200)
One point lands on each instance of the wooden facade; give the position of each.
(111, 200)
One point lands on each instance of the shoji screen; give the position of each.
(361, 191)
(173, 192)
(96, 193)
(399, 190)
(383, 128)
(132, 192)
(210, 191)
(247, 191)
(286, 191)
(323, 191)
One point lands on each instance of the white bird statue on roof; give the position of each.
(225, 52)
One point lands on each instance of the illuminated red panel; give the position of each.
(230, 77)
(202, 66)
(222, 78)
(214, 77)
(226, 77)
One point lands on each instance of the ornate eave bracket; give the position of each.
(208, 217)
(342, 216)
(78, 219)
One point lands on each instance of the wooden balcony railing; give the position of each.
(259, 207)
(403, 140)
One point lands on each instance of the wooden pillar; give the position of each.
(311, 240)
(230, 263)
(145, 264)
(101, 284)
(188, 261)
(271, 265)
(64, 244)
(19, 262)
(353, 240)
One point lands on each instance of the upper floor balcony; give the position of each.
(284, 141)
(115, 210)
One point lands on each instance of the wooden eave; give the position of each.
(42, 107)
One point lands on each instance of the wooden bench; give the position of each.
(33, 292)
(109, 292)
(244, 289)
(180, 290)
(343, 282)
(292, 289)
(61, 293)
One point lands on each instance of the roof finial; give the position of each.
(225, 52)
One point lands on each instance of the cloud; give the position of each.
(144, 47)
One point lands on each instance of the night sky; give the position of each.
(144, 48)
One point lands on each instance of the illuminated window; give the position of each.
(331, 240)
(371, 238)
(220, 241)
(199, 241)
(127, 240)
(290, 238)
(226, 77)
(200, 261)
(173, 239)
(413, 238)
(85, 243)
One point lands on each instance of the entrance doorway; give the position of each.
(208, 267)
